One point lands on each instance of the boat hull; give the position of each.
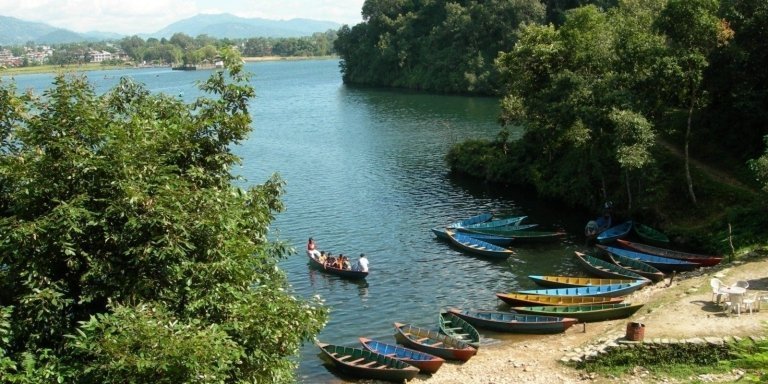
(425, 362)
(433, 343)
(478, 247)
(663, 264)
(611, 290)
(515, 323)
(704, 260)
(585, 313)
(366, 364)
(603, 268)
(574, 281)
(459, 329)
(345, 273)
(613, 233)
(514, 299)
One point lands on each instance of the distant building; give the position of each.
(99, 56)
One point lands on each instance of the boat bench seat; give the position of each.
(438, 344)
(369, 364)
(423, 339)
(357, 361)
(454, 329)
(342, 357)
(462, 334)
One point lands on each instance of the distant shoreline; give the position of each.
(7, 72)
(286, 58)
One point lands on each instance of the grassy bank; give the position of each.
(59, 68)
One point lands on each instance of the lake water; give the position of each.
(365, 173)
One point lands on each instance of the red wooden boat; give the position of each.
(705, 260)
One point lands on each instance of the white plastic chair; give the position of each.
(742, 284)
(715, 283)
(734, 303)
(749, 302)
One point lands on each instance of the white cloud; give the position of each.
(147, 16)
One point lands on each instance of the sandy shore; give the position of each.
(682, 310)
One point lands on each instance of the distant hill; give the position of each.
(15, 31)
(230, 26)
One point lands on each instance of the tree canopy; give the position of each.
(126, 253)
(436, 45)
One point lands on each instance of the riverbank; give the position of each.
(682, 310)
(287, 58)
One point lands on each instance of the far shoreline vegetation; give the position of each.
(38, 69)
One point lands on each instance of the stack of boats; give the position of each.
(622, 268)
(488, 237)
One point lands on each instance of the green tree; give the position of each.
(126, 254)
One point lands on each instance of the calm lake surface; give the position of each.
(365, 173)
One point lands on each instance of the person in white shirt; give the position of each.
(362, 263)
(312, 249)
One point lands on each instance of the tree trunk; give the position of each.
(687, 143)
(629, 191)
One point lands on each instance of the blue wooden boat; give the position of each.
(509, 221)
(514, 322)
(610, 290)
(615, 232)
(432, 342)
(459, 329)
(479, 247)
(425, 362)
(366, 364)
(481, 218)
(584, 313)
(646, 270)
(664, 264)
(503, 231)
(574, 281)
(501, 241)
(603, 268)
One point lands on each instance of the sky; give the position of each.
(129, 17)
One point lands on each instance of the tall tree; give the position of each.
(694, 31)
(126, 253)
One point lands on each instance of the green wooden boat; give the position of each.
(499, 231)
(603, 268)
(514, 299)
(499, 223)
(650, 234)
(574, 281)
(459, 329)
(648, 271)
(524, 235)
(366, 364)
(584, 313)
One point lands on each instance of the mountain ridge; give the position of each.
(14, 31)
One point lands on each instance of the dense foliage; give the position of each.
(436, 45)
(126, 254)
(607, 93)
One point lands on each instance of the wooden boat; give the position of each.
(505, 231)
(648, 271)
(574, 281)
(514, 299)
(663, 264)
(459, 329)
(585, 313)
(509, 221)
(368, 365)
(615, 232)
(514, 322)
(650, 234)
(706, 260)
(433, 343)
(481, 218)
(479, 247)
(611, 290)
(603, 268)
(440, 233)
(501, 241)
(536, 236)
(345, 273)
(425, 362)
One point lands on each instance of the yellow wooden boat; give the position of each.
(575, 281)
(517, 299)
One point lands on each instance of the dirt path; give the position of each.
(711, 172)
(682, 310)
